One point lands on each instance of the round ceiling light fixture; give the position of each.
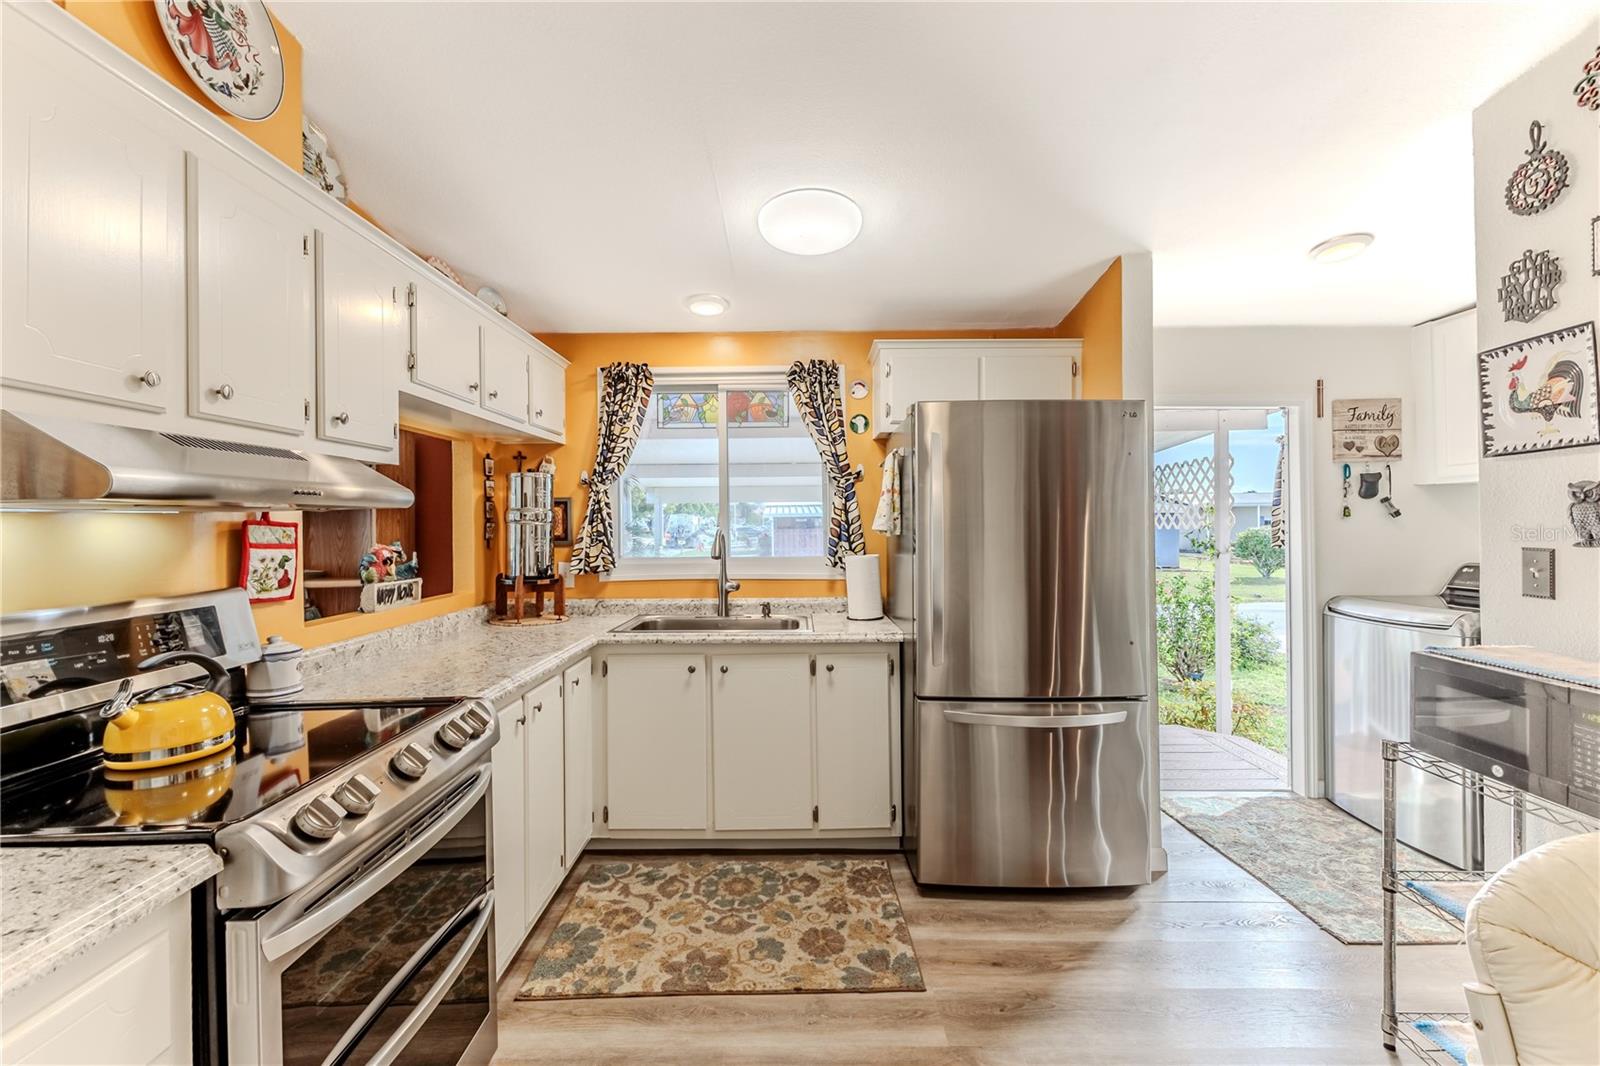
(809, 221)
(706, 304)
(1340, 248)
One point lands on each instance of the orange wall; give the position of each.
(1098, 320)
(133, 26)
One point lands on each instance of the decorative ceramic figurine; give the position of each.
(1584, 512)
(387, 562)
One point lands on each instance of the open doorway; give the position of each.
(1223, 588)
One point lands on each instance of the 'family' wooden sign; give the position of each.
(1366, 429)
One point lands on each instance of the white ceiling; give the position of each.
(599, 163)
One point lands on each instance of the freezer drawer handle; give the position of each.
(1037, 721)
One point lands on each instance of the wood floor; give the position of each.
(1204, 966)
(1200, 760)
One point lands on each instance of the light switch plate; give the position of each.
(1539, 573)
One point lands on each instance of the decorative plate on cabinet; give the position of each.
(492, 297)
(230, 50)
(317, 163)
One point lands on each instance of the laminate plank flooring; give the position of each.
(1206, 965)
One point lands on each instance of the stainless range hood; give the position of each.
(57, 464)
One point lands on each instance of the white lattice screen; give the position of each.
(1185, 494)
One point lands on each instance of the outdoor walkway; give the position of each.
(1194, 759)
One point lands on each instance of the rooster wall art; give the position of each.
(1539, 393)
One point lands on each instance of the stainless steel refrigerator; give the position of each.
(1024, 573)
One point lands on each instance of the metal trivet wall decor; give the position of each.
(1588, 88)
(1528, 289)
(1536, 183)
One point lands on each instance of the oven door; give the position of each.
(386, 961)
(1487, 720)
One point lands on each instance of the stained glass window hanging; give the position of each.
(699, 410)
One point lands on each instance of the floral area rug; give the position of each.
(1324, 862)
(729, 926)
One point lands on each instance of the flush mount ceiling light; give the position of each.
(1338, 249)
(706, 304)
(809, 221)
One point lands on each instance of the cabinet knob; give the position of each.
(343, 418)
(494, 394)
(539, 413)
(886, 412)
(830, 668)
(150, 379)
(473, 387)
(691, 669)
(522, 719)
(575, 682)
(724, 669)
(224, 392)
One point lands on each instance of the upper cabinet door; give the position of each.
(505, 375)
(1043, 373)
(547, 381)
(361, 342)
(446, 343)
(93, 232)
(1456, 394)
(932, 374)
(250, 282)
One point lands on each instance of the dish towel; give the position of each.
(887, 517)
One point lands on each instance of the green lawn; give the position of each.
(1245, 583)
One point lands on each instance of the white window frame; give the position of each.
(806, 568)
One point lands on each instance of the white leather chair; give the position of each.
(1534, 935)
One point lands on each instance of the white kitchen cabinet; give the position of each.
(546, 838)
(760, 738)
(361, 342)
(505, 375)
(510, 809)
(251, 277)
(579, 724)
(446, 342)
(905, 372)
(125, 1000)
(1446, 399)
(656, 763)
(1043, 371)
(855, 784)
(93, 247)
(547, 384)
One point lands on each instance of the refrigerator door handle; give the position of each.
(1037, 721)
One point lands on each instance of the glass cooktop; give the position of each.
(54, 787)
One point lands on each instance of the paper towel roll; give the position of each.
(863, 594)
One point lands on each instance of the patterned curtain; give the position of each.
(1279, 530)
(624, 403)
(815, 388)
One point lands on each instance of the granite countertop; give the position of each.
(58, 902)
(462, 655)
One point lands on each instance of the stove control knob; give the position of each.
(411, 762)
(357, 795)
(477, 720)
(453, 735)
(320, 818)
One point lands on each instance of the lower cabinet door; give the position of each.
(546, 794)
(761, 739)
(656, 741)
(510, 835)
(855, 783)
(580, 760)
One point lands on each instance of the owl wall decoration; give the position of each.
(1584, 512)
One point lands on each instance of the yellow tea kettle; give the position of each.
(170, 724)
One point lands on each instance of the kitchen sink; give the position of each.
(685, 623)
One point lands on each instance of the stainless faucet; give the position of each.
(719, 552)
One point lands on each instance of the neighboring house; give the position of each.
(1249, 509)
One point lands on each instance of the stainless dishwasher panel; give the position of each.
(1367, 674)
(1011, 793)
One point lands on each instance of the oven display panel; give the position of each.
(38, 664)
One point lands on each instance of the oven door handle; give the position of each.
(440, 988)
(334, 910)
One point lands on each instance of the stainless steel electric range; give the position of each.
(353, 918)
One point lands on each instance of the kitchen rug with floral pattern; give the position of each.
(728, 925)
